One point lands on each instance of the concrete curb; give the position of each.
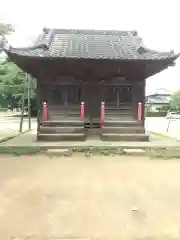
(165, 135)
(91, 146)
(5, 139)
(102, 146)
(12, 115)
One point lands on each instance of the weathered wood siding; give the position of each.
(64, 96)
(138, 95)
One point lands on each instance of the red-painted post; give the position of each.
(44, 111)
(82, 111)
(102, 113)
(139, 111)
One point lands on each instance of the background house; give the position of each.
(158, 100)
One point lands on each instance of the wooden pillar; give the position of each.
(44, 96)
(117, 98)
(134, 100)
(66, 98)
(39, 107)
(143, 87)
(138, 95)
(29, 79)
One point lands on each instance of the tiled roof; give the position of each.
(156, 100)
(159, 92)
(91, 44)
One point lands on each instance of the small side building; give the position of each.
(93, 67)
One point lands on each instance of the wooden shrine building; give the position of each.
(92, 82)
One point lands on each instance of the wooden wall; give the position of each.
(92, 92)
(138, 95)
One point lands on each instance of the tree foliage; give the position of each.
(175, 101)
(5, 29)
(14, 84)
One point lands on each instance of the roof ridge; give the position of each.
(49, 37)
(91, 31)
(43, 42)
(92, 44)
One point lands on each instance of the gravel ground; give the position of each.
(98, 197)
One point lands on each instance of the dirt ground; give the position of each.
(89, 198)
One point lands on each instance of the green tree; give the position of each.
(13, 85)
(175, 101)
(5, 29)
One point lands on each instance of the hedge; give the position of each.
(156, 114)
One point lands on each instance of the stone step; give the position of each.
(119, 118)
(75, 114)
(64, 110)
(126, 129)
(61, 137)
(69, 107)
(123, 107)
(63, 123)
(64, 118)
(118, 113)
(123, 123)
(62, 129)
(124, 137)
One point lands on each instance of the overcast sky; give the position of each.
(157, 22)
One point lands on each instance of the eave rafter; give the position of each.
(90, 53)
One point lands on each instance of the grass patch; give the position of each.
(114, 151)
(93, 151)
(105, 151)
(87, 151)
(163, 153)
(167, 153)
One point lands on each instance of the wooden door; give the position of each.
(92, 101)
(125, 94)
(110, 97)
(64, 102)
(114, 96)
(66, 96)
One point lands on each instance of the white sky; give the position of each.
(155, 20)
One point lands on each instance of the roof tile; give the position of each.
(91, 44)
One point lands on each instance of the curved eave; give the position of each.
(26, 55)
(175, 57)
(143, 68)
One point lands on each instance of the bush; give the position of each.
(2, 109)
(156, 114)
